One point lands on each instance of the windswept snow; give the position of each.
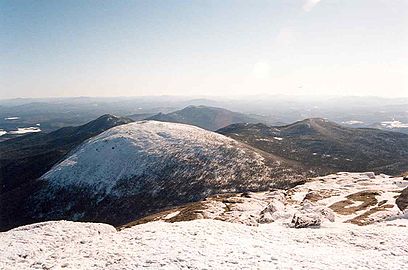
(203, 244)
(142, 149)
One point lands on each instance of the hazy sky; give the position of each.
(220, 47)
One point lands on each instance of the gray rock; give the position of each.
(402, 200)
(305, 220)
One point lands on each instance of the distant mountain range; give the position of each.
(328, 147)
(210, 118)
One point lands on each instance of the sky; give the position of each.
(203, 48)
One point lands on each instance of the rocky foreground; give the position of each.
(342, 221)
(356, 198)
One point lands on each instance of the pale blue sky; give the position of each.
(130, 48)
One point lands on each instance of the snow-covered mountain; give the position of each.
(134, 169)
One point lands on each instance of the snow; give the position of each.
(394, 124)
(220, 238)
(352, 122)
(142, 149)
(316, 198)
(25, 130)
(172, 215)
(278, 138)
(204, 244)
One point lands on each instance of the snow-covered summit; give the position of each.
(144, 166)
(144, 149)
(132, 150)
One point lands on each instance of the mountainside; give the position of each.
(28, 157)
(210, 118)
(134, 169)
(328, 147)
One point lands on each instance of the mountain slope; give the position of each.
(210, 118)
(135, 169)
(28, 157)
(328, 147)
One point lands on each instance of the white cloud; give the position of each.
(308, 5)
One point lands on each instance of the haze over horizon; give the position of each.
(203, 48)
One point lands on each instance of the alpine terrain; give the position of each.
(135, 169)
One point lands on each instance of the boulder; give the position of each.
(267, 214)
(305, 220)
(370, 175)
(328, 214)
(402, 200)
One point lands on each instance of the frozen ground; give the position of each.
(204, 244)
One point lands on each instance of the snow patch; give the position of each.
(352, 122)
(394, 124)
(25, 130)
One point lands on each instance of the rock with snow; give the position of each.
(338, 198)
(267, 215)
(305, 220)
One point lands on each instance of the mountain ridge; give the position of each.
(317, 142)
(207, 117)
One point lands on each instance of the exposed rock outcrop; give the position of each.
(402, 200)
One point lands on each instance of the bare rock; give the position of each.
(305, 220)
(267, 214)
(402, 200)
(370, 175)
